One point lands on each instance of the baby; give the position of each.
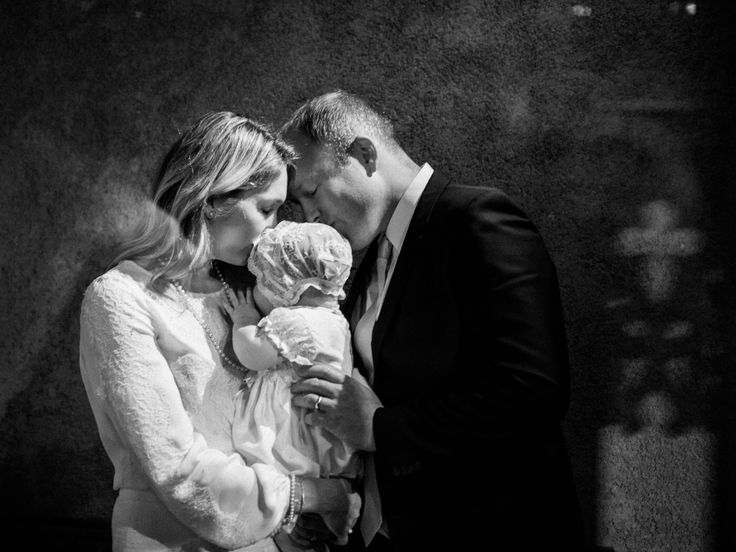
(300, 270)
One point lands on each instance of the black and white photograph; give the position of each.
(378, 275)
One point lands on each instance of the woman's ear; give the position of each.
(209, 209)
(364, 151)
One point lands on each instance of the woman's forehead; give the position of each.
(274, 190)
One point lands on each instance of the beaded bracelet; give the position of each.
(296, 501)
(300, 503)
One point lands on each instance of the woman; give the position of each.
(153, 356)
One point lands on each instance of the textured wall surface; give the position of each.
(610, 123)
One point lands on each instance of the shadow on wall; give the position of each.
(47, 471)
(629, 212)
(656, 354)
(52, 463)
(55, 475)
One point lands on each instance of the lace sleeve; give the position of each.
(290, 334)
(140, 414)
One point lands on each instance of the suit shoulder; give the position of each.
(460, 199)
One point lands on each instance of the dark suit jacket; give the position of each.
(471, 365)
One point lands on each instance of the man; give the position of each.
(459, 331)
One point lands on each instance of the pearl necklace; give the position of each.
(229, 293)
(247, 375)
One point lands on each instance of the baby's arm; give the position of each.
(254, 351)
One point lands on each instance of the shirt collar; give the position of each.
(401, 217)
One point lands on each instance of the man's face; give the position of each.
(344, 197)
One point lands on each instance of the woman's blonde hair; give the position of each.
(222, 158)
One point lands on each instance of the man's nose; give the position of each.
(311, 213)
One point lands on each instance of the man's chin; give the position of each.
(344, 234)
(358, 244)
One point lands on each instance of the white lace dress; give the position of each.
(164, 406)
(268, 428)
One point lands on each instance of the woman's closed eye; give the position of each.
(270, 208)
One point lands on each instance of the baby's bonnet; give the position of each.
(294, 256)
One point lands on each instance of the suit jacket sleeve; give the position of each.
(511, 375)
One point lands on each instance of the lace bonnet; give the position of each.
(294, 256)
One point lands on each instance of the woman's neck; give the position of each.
(202, 281)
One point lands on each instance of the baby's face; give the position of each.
(315, 298)
(263, 304)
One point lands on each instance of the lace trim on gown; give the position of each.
(290, 334)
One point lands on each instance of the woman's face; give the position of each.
(233, 233)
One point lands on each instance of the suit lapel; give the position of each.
(407, 256)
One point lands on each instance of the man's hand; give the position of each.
(341, 521)
(346, 406)
(333, 507)
(311, 529)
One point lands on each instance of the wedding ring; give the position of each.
(316, 404)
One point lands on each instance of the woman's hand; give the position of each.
(336, 501)
(241, 308)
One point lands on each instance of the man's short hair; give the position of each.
(336, 118)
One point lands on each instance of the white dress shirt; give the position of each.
(396, 230)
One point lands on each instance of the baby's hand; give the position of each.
(242, 309)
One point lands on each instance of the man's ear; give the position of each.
(364, 151)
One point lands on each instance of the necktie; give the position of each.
(383, 260)
(372, 301)
(371, 520)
